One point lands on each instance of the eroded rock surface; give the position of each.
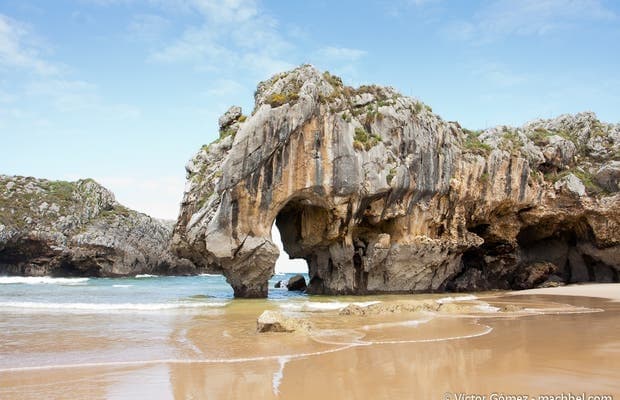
(296, 283)
(78, 229)
(275, 321)
(379, 194)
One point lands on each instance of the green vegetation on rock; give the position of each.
(474, 145)
(592, 188)
(333, 80)
(390, 176)
(279, 99)
(364, 140)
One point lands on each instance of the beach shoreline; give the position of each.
(599, 290)
(555, 340)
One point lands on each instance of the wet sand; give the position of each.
(551, 341)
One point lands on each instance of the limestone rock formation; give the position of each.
(275, 321)
(379, 194)
(296, 283)
(78, 229)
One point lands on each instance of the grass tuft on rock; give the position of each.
(364, 140)
(474, 145)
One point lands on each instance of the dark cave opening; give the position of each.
(302, 226)
(548, 252)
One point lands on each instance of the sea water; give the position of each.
(142, 292)
(186, 337)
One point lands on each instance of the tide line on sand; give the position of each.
(316, 306)
(281, 358)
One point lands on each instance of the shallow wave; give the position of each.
(218, 275)
(42, 280)
(487, 308)
(146, 276)
(451, 299)
(485, 330)
(408, 323)
(282, 359)
(123, 286)
(104, 307)
(315, 306)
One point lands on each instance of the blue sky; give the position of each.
(125, 91)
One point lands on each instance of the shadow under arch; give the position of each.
(304, 224)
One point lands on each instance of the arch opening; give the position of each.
(301, 227)
(285, 264)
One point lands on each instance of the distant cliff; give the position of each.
(379, 194)
(78, 229)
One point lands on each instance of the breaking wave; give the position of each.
(42, 280)
(104, 307)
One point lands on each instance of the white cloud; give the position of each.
(341, 53)
(225, 88)
(232, 34)
(526, 17)
(6, 97)
(399, 8)
(499, 75)
(148, 27)
(158, 197)
(19, 48)
(69, 96)
(197, 45)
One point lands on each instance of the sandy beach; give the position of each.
(543, 341)
(600, 290)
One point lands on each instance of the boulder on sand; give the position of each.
(296, 283)
(275, 321)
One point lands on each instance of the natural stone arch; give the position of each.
(307, 230)
(379, 194)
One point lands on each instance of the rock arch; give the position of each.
(379, 194)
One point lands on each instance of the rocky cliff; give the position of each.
(379, 194)
(78, 229)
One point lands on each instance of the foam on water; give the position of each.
(487, 308)
(123, 286)
(281, 358)
(451, 299)
(104, 307)
(278, 375)
(486, 330)
(408, 323)
(146, 276)
(41, 280)
(317, 306)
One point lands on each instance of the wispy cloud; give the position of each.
(341, 53)
(499, 75)
(224, 88)
(232, 33)
(525, 18)
(35, 79)
(159, 197)
(148, 27)
(71, 96)
(399, 8)
(19, 48)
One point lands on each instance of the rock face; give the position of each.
(274, 321)
(78, 229)
(378, 194)
(296, 283)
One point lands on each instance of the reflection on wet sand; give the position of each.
(410, 355)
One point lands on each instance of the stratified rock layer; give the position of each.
(379, 194)
(78, 229)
